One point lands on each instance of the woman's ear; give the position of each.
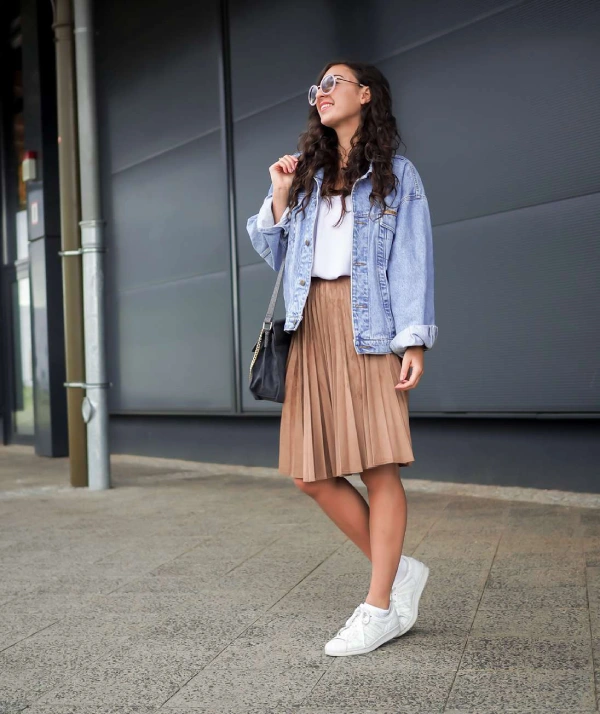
(366, 96)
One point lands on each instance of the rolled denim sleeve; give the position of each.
(269, 239)
(411, 276)
(265, 216)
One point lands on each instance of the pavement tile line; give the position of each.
(595, 663)
(31, 634)
(251, 624)
(197, 545)
(262, 614)
(107, 594)
(462, 654)
(135, 578)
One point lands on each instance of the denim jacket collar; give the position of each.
(320, 171)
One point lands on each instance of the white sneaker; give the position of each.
(407, 592)
(363, 632)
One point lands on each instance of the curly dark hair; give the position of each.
(376, 139)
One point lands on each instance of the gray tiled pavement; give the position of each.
(183, 591)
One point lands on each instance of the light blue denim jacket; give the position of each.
(392, 261)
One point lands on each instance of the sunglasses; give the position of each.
(327, 86)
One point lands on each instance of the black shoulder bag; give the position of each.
(267, 371)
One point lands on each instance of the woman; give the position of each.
(358, 289)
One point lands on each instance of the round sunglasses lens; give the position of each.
(327, 83)
(312, 94)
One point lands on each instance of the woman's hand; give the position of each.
(282, 172)
(413, 358)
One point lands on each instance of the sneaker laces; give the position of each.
(360, 610)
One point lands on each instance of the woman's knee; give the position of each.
(311, 488)
(379, 474)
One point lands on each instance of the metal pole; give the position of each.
(95, 404)
(69, 218)
(228, 153)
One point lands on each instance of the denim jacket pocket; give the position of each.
(386, 229)
(387, 223)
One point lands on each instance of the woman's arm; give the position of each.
(411, 270)
(269, 239)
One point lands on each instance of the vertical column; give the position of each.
(47, 323)
(228, 154)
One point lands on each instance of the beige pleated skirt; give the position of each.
(341, 413)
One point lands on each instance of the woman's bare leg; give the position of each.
(387, 526)
(377, 527)
(344, 505)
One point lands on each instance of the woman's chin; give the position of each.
(328, 121)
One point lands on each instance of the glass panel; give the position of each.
(22, 235)
(23, 416)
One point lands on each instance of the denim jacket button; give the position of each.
(302, 282)
(307, 242)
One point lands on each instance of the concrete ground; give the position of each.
(196, 589)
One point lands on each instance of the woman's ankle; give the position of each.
(381, 602)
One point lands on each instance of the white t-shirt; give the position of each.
(333, 244)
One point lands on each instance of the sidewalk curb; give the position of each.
(503, 493)
(411, 485)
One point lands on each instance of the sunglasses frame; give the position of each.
(336, 79)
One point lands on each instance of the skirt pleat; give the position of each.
(341, 413)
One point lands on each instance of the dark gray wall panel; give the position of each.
(169, 216)
(518, 294)
(278, 48)
(501, 114)
(165, 201)
(367, 33)
(255, 150)
(387, 27)
(172, 348)
(158, 75)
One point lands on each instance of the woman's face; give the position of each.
(345, 101)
